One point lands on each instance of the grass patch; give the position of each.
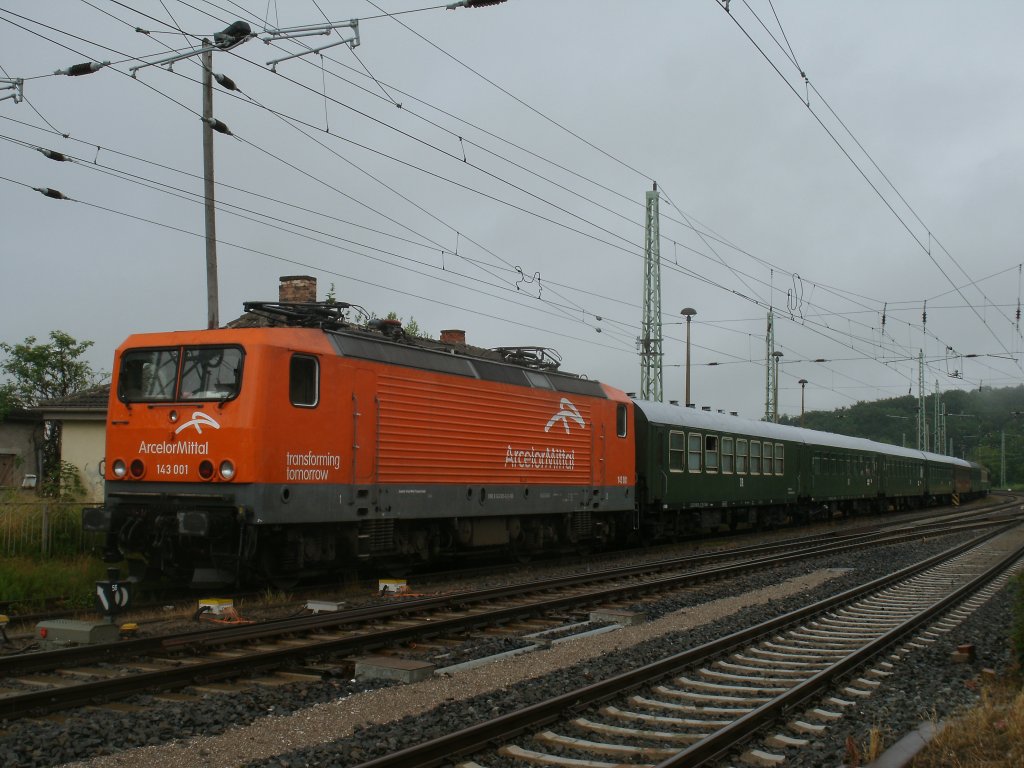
(989, 736)
(31, 584)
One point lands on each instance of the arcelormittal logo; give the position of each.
(198, 420)
(569, 411)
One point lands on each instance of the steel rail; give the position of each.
(723, 741)
(503, 728)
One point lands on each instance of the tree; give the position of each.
(39, 372)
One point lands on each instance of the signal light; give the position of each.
(138, 469)
(206, 469)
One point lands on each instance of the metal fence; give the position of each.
(43, 529)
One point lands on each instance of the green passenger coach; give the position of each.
(699, 470)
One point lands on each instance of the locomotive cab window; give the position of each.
(304, 381)
(189, 373)
(711, 453)
(210, 373)
(148, 375)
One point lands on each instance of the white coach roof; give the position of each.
(690, 418)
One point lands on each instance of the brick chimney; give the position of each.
(453, 336)
(297, 289)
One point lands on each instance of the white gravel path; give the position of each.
(326, 722)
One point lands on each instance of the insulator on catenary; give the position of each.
(83, 69)
(225, 82)
(56, 194)
(236, 33)
(49, 153)
(473, 4)
(218, 126)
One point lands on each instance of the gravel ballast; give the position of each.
(339, 722)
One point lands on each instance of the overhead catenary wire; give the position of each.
(703, 238)
(461, 158)
(863, 173)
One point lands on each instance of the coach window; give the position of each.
(711, 453)
(755, 457)
(741, 457)
(693, 445)
(780, 455)
(621, 420)
(727, 455)
(304, 381)
(676, 451)
(768, 454)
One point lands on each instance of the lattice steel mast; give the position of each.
(650, 341)
(922, 421)
(769, 370)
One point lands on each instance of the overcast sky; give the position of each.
(504, 196)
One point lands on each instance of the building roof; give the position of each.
(92, 401)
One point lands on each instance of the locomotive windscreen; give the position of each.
(173, 374)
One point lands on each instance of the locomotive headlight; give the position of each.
(119, 468)
(227, 469)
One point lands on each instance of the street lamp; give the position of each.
(803, 384)
(688, 313)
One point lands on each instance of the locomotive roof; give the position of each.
(674, 415)
(330, 317)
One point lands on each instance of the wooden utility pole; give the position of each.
(212, 313)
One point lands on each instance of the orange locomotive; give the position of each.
(309, 444)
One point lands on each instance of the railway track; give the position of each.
(734, 699)
(44, 682)
(22, 621)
